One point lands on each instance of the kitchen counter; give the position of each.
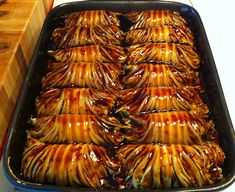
(217, 19)
(20, 25)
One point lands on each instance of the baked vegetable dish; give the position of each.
(122, 109)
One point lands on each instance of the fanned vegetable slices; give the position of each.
(159, 34)
(141, 102)
(154, 18)
(91, 35)
(181, 127)
(77, 165)
(83, 74)
(92, 53)
(148, 75)
(169, 166)
(93, 17)
(180, 56)
(74, 128)
(77, 100)
(153, 99)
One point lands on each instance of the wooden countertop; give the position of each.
(20, 26)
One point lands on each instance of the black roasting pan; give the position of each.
(213, 94)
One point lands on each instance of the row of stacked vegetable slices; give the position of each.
(119, 116)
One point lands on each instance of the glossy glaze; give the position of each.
(81, 164)
(169, 166)
(74, 101)
(179, 127)
(91, 35)
(93, 53)
(93, 17)
(157, 99)
(148, 75)
(83, 74)
(162, 54)
(74, 128)
(153, 18)
(180, 56)
(160, 34)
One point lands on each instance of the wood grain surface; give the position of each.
(20, 25)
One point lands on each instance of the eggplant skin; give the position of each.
(160, 34)
(90, 35)
(155, 18)
(72, 164)
(97, 75)
(122, 110)
(92, 53)
(160, 75)
(154, 166)
(182, 57)
(74, 101)
(159, 99)
(93, 17)
(177, 127)
(75, 128)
